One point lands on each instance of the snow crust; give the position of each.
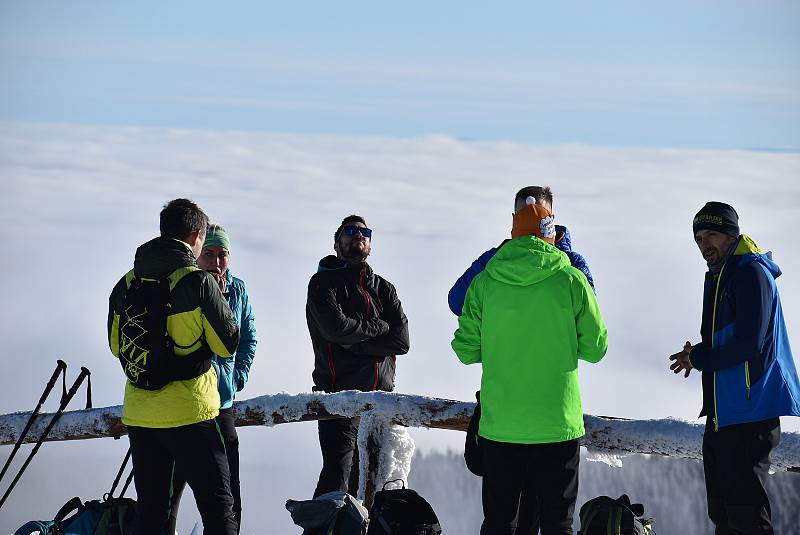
(605, 457)
(395, 448)
(405, 409)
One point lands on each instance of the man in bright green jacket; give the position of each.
(528, 318)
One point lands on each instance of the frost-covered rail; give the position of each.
(605, 436)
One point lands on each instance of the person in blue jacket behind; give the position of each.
(232, 373)
(528, 515)
(544, 196)
(748, 374)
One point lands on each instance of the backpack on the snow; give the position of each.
(334, 513)
(604, 515)
(111, 516)
(402, 512)
(146, 351)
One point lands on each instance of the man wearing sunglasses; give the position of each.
(357, 328)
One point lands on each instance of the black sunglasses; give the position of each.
(351, 230)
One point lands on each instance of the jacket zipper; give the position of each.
(747, 377)
(713, 330)
(368, 303)
(331, 367)
(364, 293)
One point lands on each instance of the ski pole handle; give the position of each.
(61, 367)
(75, 386)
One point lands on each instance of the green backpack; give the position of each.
(607, 516)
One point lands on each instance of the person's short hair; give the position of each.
(347, 220)
(542, 194)
(180, 217)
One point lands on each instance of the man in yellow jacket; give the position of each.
(171, 397)
(528, 318)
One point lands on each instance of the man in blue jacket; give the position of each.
(748, 373)
(232, 372)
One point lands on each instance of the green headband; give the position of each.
(217, 237)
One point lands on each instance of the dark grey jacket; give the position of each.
(357, 327)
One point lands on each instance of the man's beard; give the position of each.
(355, 255)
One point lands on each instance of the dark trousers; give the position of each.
(227, 427)
(547, 472)
(527, 519)
(195, 450)
(338, 442)
(736, 463)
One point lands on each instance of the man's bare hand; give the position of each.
(681, 361)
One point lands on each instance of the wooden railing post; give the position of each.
(370, 468)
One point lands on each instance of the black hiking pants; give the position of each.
(338, 442)
(227, 427)
(736, 463)
(195, 450)
(547, 472)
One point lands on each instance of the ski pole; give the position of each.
(110, 493)
(61, 368)
(56, 416)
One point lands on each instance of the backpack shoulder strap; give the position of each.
(75, 504)
(176, 276)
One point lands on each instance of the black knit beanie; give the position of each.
(717, 216)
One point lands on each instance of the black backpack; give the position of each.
(607, 516)
(402, 512)
(473, 455)
(146, 351)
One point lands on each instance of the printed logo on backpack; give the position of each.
(146, 351)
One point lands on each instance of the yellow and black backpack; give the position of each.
(146, 351)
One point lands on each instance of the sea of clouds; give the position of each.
(75, 202)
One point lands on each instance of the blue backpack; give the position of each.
(111, 516)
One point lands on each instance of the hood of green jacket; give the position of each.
(159, 257)
(526, 260)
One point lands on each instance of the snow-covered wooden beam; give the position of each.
(604, 435)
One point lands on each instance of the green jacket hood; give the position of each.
(526, 260)
(159, 257)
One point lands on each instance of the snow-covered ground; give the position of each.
(76, 201)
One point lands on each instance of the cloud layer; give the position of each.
(75, 202)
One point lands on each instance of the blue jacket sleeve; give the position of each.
(246, 351)
(753, 303)
(456, 295)
(578, 261)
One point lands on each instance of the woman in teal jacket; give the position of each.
(232, 372)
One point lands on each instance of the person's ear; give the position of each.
(336, 247)
(193, 237)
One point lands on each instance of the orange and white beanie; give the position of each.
(534, 220)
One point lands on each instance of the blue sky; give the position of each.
(721, 74)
